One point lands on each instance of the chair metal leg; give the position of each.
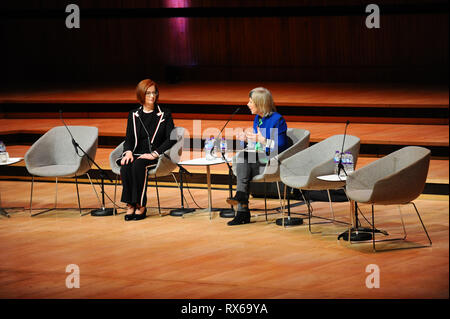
(404, 230)
(281, 204)
(309, 210)
(403, 223)
(78, 194)
(56, 191)
(331, 205)
(308, 204)
(157, 195)
(31, 198)
(115, 190)
(423, 226)
(289, 201)
(373, 229)
(265, 198)
(31, 194)
(284, 200)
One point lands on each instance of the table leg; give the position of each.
(208, 181)
(352, 219)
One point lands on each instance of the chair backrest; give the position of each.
(55, 148)
(298, 141)
(397, 178)
(318, 159)
(167, 164)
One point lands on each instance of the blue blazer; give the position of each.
(273, 127)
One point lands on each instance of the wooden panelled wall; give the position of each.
(407, 47)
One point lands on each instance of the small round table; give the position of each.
(204, 162)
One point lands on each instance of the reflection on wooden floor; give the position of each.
(198, 257)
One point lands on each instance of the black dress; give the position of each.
(146, 133)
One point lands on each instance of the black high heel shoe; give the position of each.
(141, 216)
(129, 217)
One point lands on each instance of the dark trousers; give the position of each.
(134, 181)
(248, 165)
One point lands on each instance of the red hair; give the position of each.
(142, 87)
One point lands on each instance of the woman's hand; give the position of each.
(128, 158)
(258, 137)
(241, 136)
(149, 156)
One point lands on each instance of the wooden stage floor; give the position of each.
(195, 257)
(198, 257)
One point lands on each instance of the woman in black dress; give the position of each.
(147, 138)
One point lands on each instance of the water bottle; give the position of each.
(214, 148)
(3, 154)
(223, 147)
(209, 149)
(336, 162)
(350, 164)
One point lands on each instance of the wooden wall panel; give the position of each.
(408, 47)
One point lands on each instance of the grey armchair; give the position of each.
(301, 170)
(396, 179)
(166, 163)
(298, 141)
(54, 155)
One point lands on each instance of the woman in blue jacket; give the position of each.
(267, 139)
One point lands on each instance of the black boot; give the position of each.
(242, 217)
(239, 198)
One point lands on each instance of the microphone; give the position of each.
(340, 166)
(231, 116)
(74, 143)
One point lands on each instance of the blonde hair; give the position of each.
(263, 100)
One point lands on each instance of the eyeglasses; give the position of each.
(152, 93)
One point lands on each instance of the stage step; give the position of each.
(392, 103)
(376, 139)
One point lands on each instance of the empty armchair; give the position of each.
(302, 170)
(395, 179)
(54, 155)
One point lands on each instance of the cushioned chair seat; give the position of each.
(58, 170)
(360, 195)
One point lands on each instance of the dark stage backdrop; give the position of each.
(224, 40)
